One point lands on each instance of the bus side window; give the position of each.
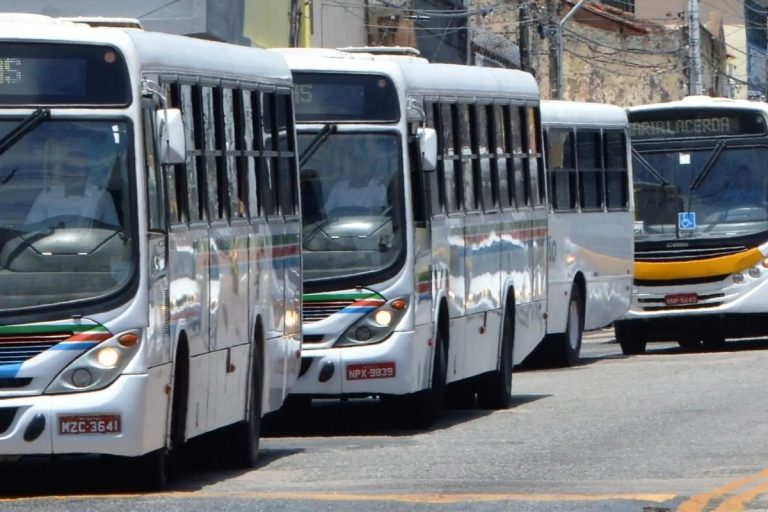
(446, 159)
(435, 179)
(465, 168)
(254, 144)
(485, 180)
(228, 161)
(504, 160)
(589, 162)
(210, 165)
(155, 197)
(497, 159)
(521, 181)
(268, 183)
(286, 163)
(535, 159)
(240, 161)
(616, 172)
(175, 175)
(563, 182)
(192, 126)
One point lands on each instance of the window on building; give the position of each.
(624, 5)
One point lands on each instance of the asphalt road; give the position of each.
(666, 431)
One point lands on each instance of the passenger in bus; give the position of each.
(742, 190)
(71, 194)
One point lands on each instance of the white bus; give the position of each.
(590, 223)
(149, 242)
(424, 237)
(701, 230)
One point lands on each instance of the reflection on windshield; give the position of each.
(351, 197)
(729, 199)
(64, 221)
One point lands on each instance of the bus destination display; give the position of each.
(335, 97)
(689, 123)
(62, 74)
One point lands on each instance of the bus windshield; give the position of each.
(723, 187)
(64, 212)
(351, 193)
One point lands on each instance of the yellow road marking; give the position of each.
(736, 503)
(697, 502)
(403, 498)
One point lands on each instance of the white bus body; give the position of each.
(129, 336)
(701, 230)
(590, 222)
(400, 301)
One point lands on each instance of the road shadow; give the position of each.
(78, 476)
(367, 417)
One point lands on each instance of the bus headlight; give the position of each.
(738, 278)
(754, 272)
(98, 367)
(376, 326)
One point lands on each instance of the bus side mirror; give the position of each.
(170, 134)
(428, 148)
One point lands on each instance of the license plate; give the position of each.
(371, 371)
(680, 299)
(90, 424)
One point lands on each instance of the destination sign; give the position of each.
(62, 74)
(700, 122)
(344, 97)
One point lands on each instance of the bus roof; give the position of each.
(153, 51)
(582, 113)
(419, 75)
(701, 102)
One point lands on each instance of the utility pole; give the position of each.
(554, 51)
(694, 47)
(559, 37)
(524, 36)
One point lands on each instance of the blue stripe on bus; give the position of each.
(73, 346)
(357, 309)
(8, 371)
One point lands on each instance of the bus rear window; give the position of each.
(34, 74)
(345, 97)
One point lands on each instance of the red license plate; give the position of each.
(90, 424)
(371, 371)
(680, 299)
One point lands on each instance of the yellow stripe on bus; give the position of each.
(708, 267)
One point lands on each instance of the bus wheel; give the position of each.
(564, 348)
(496, 392)
(421, 409)
(689, 344)
(154, 470)
(244, 441)
(631, 337)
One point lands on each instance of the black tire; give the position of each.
(689, 344)
(496, 391)
(243, 443)
(421, 410)
(631, 337)
(563, 349)
(155, 470)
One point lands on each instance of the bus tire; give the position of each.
(564, 348)
(154, 470)
(631, 337)
(421, 409)
(496, 391)
(245, 436)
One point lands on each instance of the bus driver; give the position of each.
(70, 194)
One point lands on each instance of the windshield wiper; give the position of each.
(318, 141)
(656, 174)
(710, 163)
(27, 124)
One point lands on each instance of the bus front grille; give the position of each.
(17, 348)
(320, 310)
(686, 253)
(7, 414)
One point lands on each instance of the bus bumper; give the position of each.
(390, 367)
(108, 421)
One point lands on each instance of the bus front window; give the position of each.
(351, 191)
(726, 188)
(65, 230)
